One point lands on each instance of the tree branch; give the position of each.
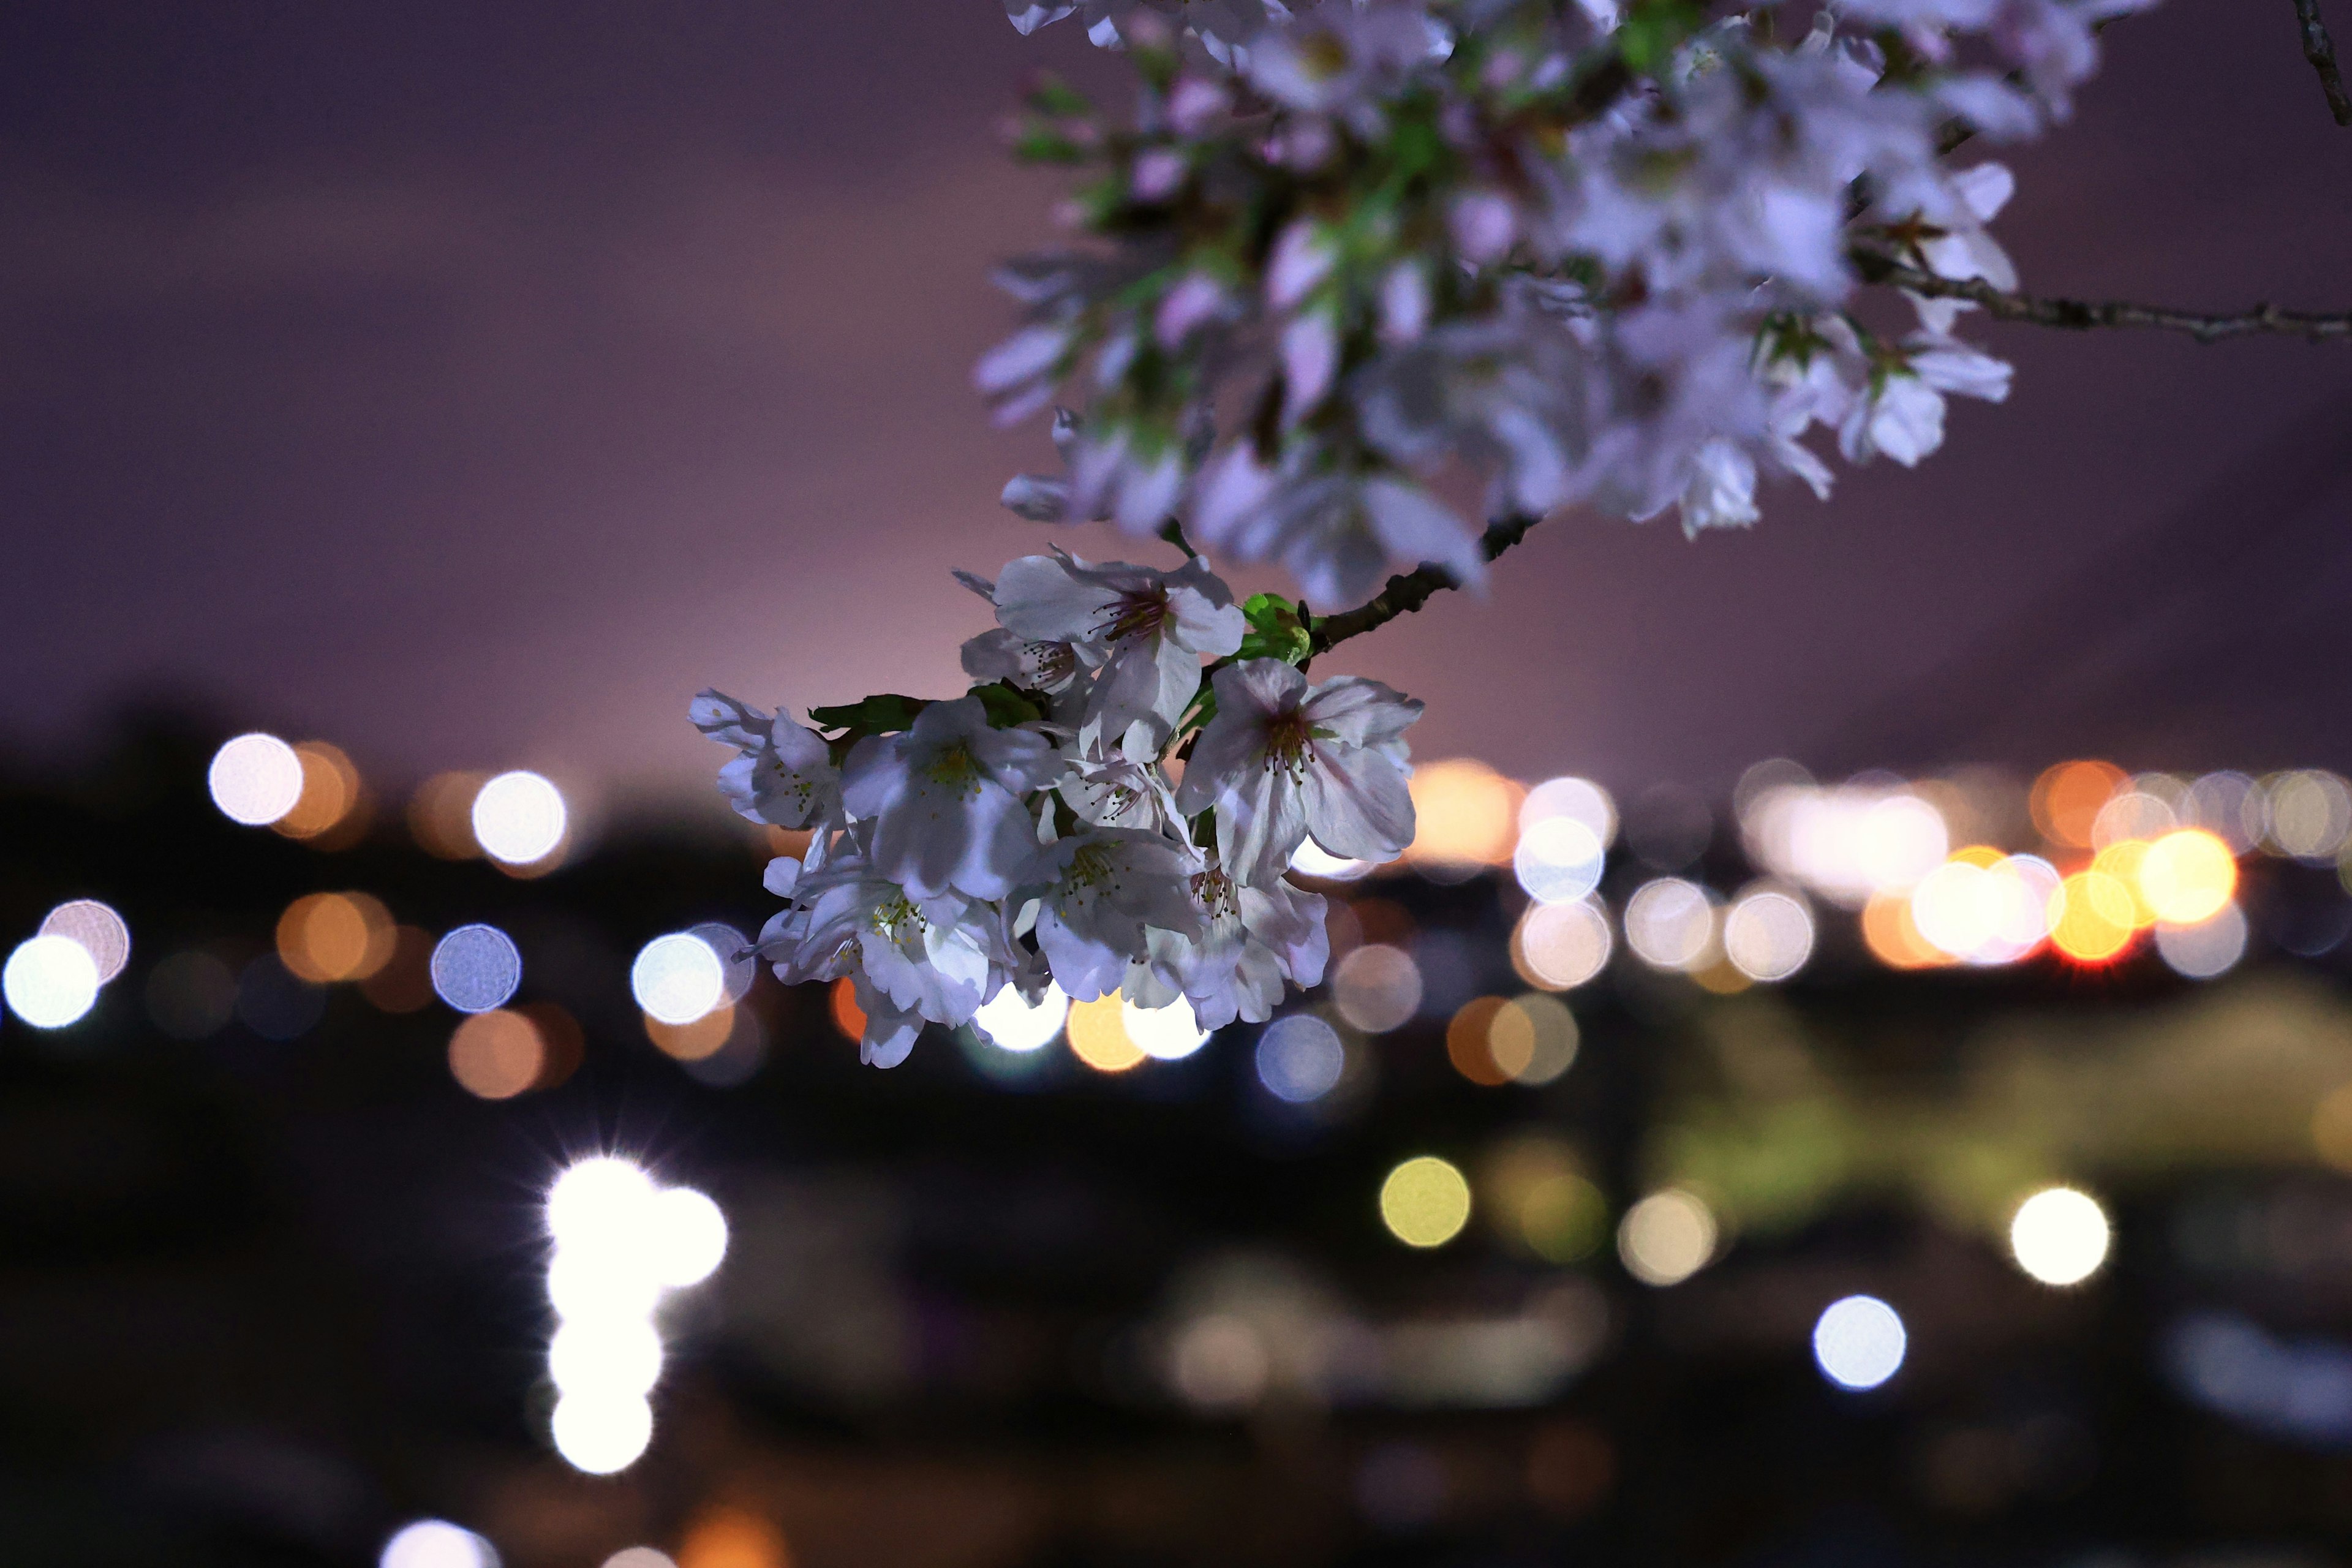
(2080, 315)
(1408, 591)
(2320, 50)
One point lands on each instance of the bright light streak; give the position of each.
(2060, 1236)
(518, 818)
(50, 981)
(1666, 1238)
(1300, 1058)
(98, 928)
(437, 1543)
(690, 1235)
(602, 1434)
(475, 968)
(605, 1355)
(677, 978)
(1859, 1343)
(1559, 860)
(1425, 1202)
(1166, 1034)
(1011, 1023)
(255, 779)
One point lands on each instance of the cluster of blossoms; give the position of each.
(1348, 250)
(1099, 813)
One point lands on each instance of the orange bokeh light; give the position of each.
(2068, 799)
(497, 1054)
(1893, 936)
(328, 937)
(1464, 814)
(1469, 1045)
(848, 1016)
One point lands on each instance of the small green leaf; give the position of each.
(1649, 35)
(1038, 144)
(879, 715)
(1276, 630)
(1007, 704)
(1049, 94)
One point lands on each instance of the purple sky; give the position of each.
(470, 384)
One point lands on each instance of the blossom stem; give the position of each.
(2320, 50)
(1408, 591)
(2080, 315)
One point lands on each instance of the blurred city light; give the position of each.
(604, 1433)
(2066, 800)
(518, 818)
(1466, 816)
(677, 978)
(440, 814)
(1558, 947)
(605, 1355)
(2209, 948)
(1533, 1039)
(1425, 1202)
(1377, 988)
(329, 937)
(1010, 1023)
(700, 1039)
(736, 955)
(1859, 1343)
(2310, 815)
(277, 1004)
(1168, 1034)
(437, 1543)
(2131, 813)
(690, 1236)
(330, 797)
(1573, 800)
(1559, 860)
(2060, 1236)
(255, 779)
(100, 930)
(1098, 1037)
(2092, 916)
(1467, 1044)
(1767, 934)
(475, 968)
(496, 1054)
(639, 1557)
(1219, 1362)
(1666, 1238)
(50, 981)
(1670, 924)
(1300, 1058)
(733, 1538)
(404, 984)
(2231, 806)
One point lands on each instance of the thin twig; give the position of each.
(2080, 315)
(1408, 591)
(2320, 50)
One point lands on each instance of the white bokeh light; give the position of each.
(437, 1543)
(1166, 1034)
(689, 1237)
(1300, 1058)
(1670, 924)
(50, 982)
(1011, 1023)
(677, 978)
(1559, 860)
(1859, 1343)
(2060, 1236)
(597, 1198)
(605, 1355)
(2212, 947)
(1573, 800)
(475, 968)
(98, 928)
(1767, 934)
(520, 819)
(640, 1557)
(255, 779)
(602, 1434)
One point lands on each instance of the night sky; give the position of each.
(470, 384)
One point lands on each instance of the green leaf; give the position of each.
(1649, 35)
(879, 715)
(1276, 630)
(1038, 144)
(1007, 704)
(1049, 94)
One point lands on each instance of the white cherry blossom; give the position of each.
(1142, 632)
(785, 775)
(945, 798)
(1099, 891)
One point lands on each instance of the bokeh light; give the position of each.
(329, 937)
(1666, 1238)
(50, 982)
(497, 1054)
(255, 779)
(440, 815)
(1859, 1343)
(677, 978)
(2060, 1236)
(1670, 924)
(404, 984)
(2201, 952)
(102, 931)
(1893, 935)
(1168, 1034)
(729, 1537)
(518, 818)
(2310, 815)
(690, 1236)
(1010, 1023)
(1767, 934)
(1558, 947)
(2092, 916)
(1377, 988)
(475, 968)
(2188, 876)
(2131, 813)
(602, 1434)
(841, 1005)
(2068, 799)
(1466, 1044)
(700, 1040)
(1098, 1037)
(2231, 806)
(605, 1355)
(1425, 1202)
(640, 1557)
(1559, 860)
(437, 1543)
(329, 797)
(1983, 907)
(1533, 1039)
(1300, 1058)
(1465, 815)
(1573, 800)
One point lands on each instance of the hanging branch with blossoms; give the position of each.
(1341, 261)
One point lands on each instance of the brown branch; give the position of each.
(2320, 50)
(1408, 591)
(2080, 315)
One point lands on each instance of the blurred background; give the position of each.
(1857, 1068)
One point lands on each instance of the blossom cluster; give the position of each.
(1349, 256)
(1100, 812)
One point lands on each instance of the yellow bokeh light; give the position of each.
(1464, 814)
(1425, 1202)
(2187, 876)
(2123, 860)
(1097, 1034)
(2092, 916)
(328, 937)
(1667, 1237)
